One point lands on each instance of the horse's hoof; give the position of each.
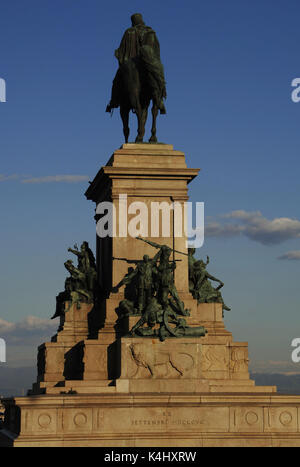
(153, 139)
(138, 140)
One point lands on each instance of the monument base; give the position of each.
(177, 393)
(96, 387)
(156, 420)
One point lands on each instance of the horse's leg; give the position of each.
(124, 112)
(139, 138)
(154, 111)
(144, 118)
(141, 114)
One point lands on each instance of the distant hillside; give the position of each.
(16, 381)
(286, 384)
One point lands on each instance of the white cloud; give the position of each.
(291, 255)
(57, 179)
(27, 331)
(5, 178)
(256, 227)
(5, 326)
(215, 229)
(45, 179)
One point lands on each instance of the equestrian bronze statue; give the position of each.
(139, 79)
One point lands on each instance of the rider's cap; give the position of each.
(137, 19)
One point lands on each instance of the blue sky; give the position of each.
(229, 67)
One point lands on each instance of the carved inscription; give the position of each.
(167, 420)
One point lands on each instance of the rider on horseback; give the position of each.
(140, 43)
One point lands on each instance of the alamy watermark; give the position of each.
(296, 92)
(296, 352)
(2, 90)
(2, 351)
(155, 219)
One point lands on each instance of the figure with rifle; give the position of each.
(165, 272)
(144, 271)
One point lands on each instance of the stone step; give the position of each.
(47, 384)
(84, 383)
(232, 382)
(82, 390)
(227, 388)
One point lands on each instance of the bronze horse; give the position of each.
(134, 92)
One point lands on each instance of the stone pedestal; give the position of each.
(58, 360)
(97, 387)
(151, 173)
(214, 363)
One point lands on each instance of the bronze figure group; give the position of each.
(154, 296)
(80, 287)
(199, 281)
(149, 293)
